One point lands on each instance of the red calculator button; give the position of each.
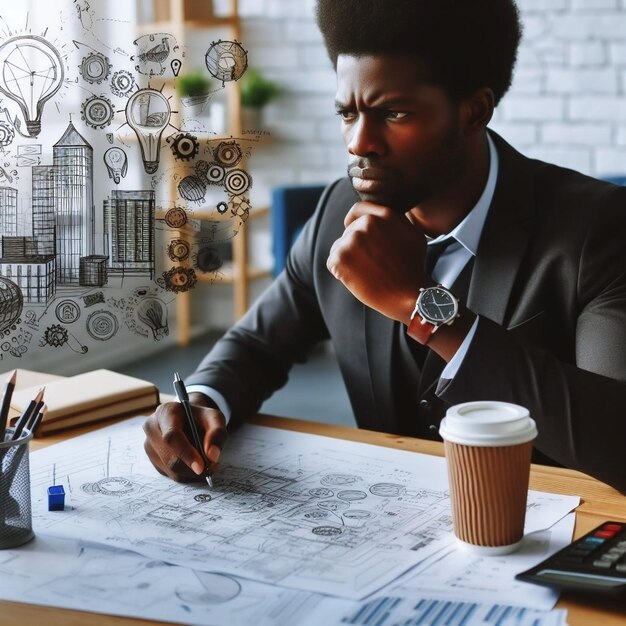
(605, 534)
(615, 527)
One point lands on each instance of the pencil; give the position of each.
(35, 421)
(32, 409)
(6, 403)
(183, 398)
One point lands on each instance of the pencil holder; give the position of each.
(16, 520)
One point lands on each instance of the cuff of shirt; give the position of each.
(215, 395)
(450, 370)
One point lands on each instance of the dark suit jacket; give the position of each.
(548, 284)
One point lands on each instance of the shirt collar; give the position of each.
(468, 231)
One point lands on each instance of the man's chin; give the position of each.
(385, 200)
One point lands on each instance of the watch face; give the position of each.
(437, 305)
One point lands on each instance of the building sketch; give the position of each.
(129, 229)
(93, 270)
(44, 209)
(32, 272)
(8, 212)
(73, 199)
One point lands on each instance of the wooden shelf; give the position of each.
(226, 274)
(183, 17)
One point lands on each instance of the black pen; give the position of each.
(6, 403)
(183, 398)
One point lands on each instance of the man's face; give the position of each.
(402, 134)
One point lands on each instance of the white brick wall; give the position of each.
(567, 103)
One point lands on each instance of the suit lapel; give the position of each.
(505, 235)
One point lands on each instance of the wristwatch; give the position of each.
(435, 306)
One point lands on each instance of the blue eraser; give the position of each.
(56, 498)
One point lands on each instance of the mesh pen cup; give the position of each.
(16, 520)
(488, 448)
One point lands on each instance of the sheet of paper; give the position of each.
(64, 573)
(455, 574)
(424, 611)
(298, 510)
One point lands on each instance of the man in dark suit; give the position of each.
(519, 265)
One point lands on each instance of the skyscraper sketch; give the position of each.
(129, 228)
(73, 193)
(44, 213)
(8, 211)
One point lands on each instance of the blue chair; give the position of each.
(616, 180)
(291, 207)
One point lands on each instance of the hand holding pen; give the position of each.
(169, 440)
(183, 398)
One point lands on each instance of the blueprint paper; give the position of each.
(67, 574)
(292, 509)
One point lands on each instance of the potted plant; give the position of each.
(193, 88)
(256, 92)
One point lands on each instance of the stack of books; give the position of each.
(97, 395)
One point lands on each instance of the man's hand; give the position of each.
(380, 259)
(169, 448)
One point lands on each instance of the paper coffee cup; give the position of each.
(488, 447)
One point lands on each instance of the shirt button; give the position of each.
(433, 427)
(425, 405)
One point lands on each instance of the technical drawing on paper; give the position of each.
(277, 512)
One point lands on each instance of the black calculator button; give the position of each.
(603, 563)
(621, 567)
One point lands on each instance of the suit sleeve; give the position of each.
(253, 358)
(579, 406)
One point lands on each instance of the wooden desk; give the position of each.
(599, 503)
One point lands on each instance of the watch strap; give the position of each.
(420, 330)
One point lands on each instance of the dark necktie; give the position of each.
(434, 251)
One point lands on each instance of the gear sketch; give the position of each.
(184, 146)
(176, 217)
(95, 68)
(215, 174)
(122, 83)
(55, 336)
(7, 134)
(228, 153)
(179, 279)
(237, 182)
(178, 250)
(97, 112)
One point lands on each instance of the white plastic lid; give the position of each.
(488, 423)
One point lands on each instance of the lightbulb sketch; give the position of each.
(152, 312)
(31, 73)
(148, 114)
(117, 163)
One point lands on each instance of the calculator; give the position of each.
(595, 563)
